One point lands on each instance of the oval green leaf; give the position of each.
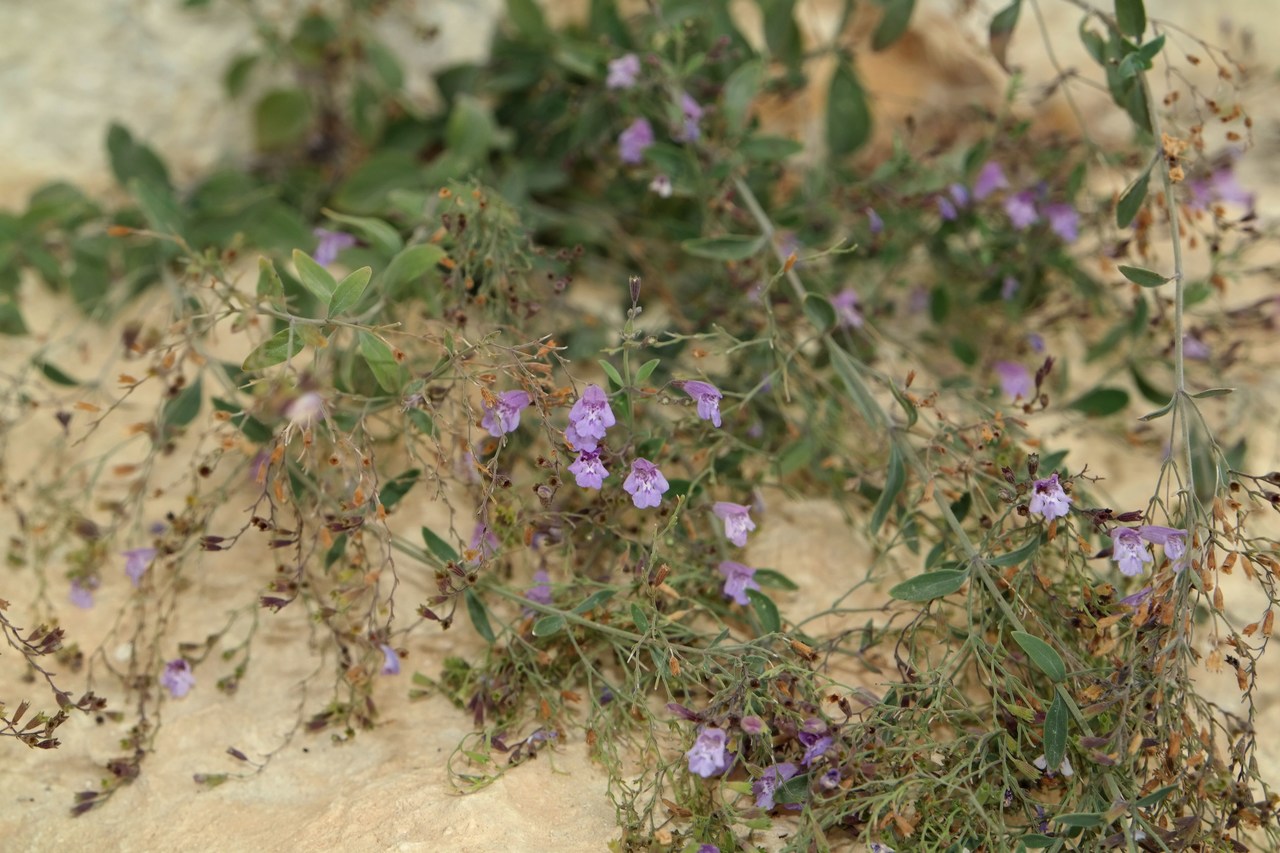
(766, 611)
(381, 362)
(349, 291)
(548, 625)
(1056, 721)
(1141, 277)
(730, 247)
(1101, 402)
(314, 277)
(848, 113)
(1131, 202)
(930, 585)
(379, 233)
(410, 265)
(893, 23)
(1082, 819)
(280, 347)
(1042, 655)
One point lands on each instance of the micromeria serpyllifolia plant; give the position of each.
(562, 347)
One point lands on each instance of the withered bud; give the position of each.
(1008, 475)
(1033, 464)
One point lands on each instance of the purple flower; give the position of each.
(816, 746)
(846, 304)
(661, 186)
(1194, 348)
(540, 592)
(136, 563)
(708, 756)
(81, 593)
(1036, 341)
(390, 660)
(708, 398)
(751, 724)
(1173, 540)
(959, 194)
(589, 418)
(990, 179)
(1137, 598)
(1009, 288)
(588, 470)
(737, 521)
(946, 209)
(874, 222)
(737, 580)
(633, 141)
(765, 787)
(504, 416)
(1015, 380)
(830, 780)
(645, 484)
(484, 543)
(1048, 499)
(331, 243)
(877, 847)
(708, 848)
(623, 72)
(691, 110)
(178, 678)
(1021, 209)
(1129, 551)
(1221, 186)
(1063, 221)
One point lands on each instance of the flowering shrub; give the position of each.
(421, 389)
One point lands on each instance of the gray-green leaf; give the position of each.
(1042, 655)
(930, 585)
(349, 291)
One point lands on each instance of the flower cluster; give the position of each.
(1129, 547)
(502, 414)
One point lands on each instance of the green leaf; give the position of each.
(781, 32)
(1042, 655)
(895, 479)
(1056, 720)
(1035, 841)
(132, 160)
(766, 611)
(1018, 555)
(731, 247)
(848, 114)
(1158, 413)
(794, 790)
(929, 585)
(1001, 32)
(548, 625)
(612, 373)
(1146, 389)
(441, 549)
(1131, 201)
(378, 232)
(397, 487)
(774, 579)
(893, 23)
(1131, 17)
(1081, 819)
(646, 370)
(55, 375)
(349, 291)
(1101, 402)
(182, 409)
(740, 92)
(820, 311)
(269, 284)
(281, 118)
(1212, 392)
(410, 265)
(314, 277)
(594, 600)
(158, 204)
(527, 17)
(769, 149)
(1155, 797)
(381, 361)
(479, 616)
(236, 77)
(638, 617)
(280, 347)
(1141, 277)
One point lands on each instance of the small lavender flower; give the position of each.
(331, 243)
(645, 484)
(178, 678)
(540, 592)
(737, 521)
(484, 542)
(81, 593)
(815, 745)
(946, 209)
(691, 110)
(1015, 380)
(707, 396)
(1129, 551)
(708, 848)
(1021, 209)
(847, 307)
(1135, 600)
(504, 416)
(1036, 342)
(1048, 499)
(990, 178)
(737, 580)
(1063, 221)
(1009, 288)
(1194, 348)
(959, 195)
(874, 222)
(830, 780)
(390, 660)
(590, 417)
(1173, 540)
(305, 409)
(877, 847)
(623, 72)
(633, 141)
(708, 756)
(751, 725)
(661, 186)
(136, 563)
(588, 471)
(767, 785)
